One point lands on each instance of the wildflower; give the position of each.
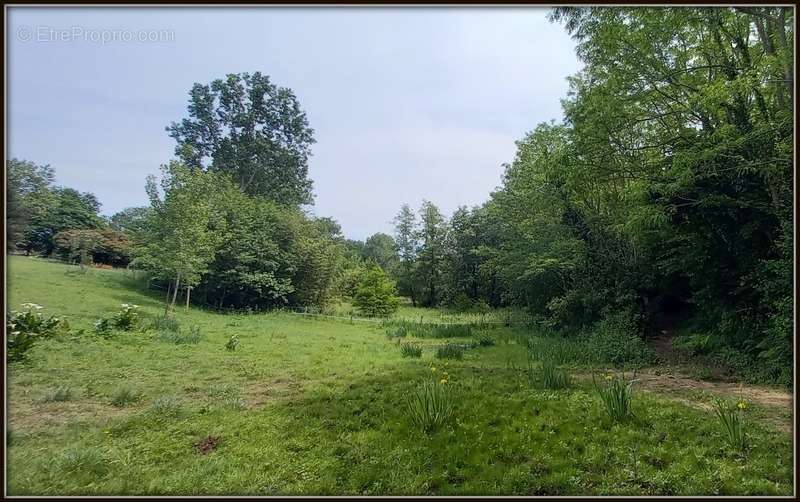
(742, 405)
(443, 381)
(609, 377)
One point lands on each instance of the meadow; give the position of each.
(305, 405)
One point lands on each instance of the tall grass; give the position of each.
(616, 397)
(548, 375)
(450, 351)
(410, 350)
(430, 405)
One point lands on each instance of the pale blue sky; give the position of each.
(407, 103)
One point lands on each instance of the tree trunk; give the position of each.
(166, 301)
(188, 294)
(175, 291)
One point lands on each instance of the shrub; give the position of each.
(450, 351)
(125, 395)
(548, 376)
(731, 421)
(616, 397)
(25, 328)
(410, 350)
(58, 394)
(375, 294)
(232, 343)
(615, 340)
(430, 405)
(127, 319)
(484, 340)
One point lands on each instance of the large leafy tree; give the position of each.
(28, 198)
(248, 127)
(381, 249)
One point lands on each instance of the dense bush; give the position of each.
(375, 294)
(615, 340)
(25, 328)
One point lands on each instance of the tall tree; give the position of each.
(430, 260)
(28, 197)
(246, 126)
(405, 224)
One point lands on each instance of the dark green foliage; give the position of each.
(484, 340)
(615, 340)
(410, 350)
(450, 351)
(248, 127)
(375, 294)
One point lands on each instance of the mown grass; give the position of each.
(305, 406)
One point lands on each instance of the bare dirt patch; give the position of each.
(34, 416)
(260, 393)
(206, 445)
(778, 404)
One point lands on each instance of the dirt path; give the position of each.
(776, 406)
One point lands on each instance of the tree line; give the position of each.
(663, 198)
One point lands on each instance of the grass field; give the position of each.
(311, 406)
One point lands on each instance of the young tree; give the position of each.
(375, 294)
(184, 228)
(246, 126)
(406, 240)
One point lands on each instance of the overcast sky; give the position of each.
(407, 103)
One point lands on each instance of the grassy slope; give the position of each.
(317, 407)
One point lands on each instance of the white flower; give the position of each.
(31, 306)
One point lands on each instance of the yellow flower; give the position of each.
(609, 377)
(742, 405)
(443, 381)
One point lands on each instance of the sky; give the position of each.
(406, 103)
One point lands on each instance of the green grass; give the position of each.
(308, 406)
